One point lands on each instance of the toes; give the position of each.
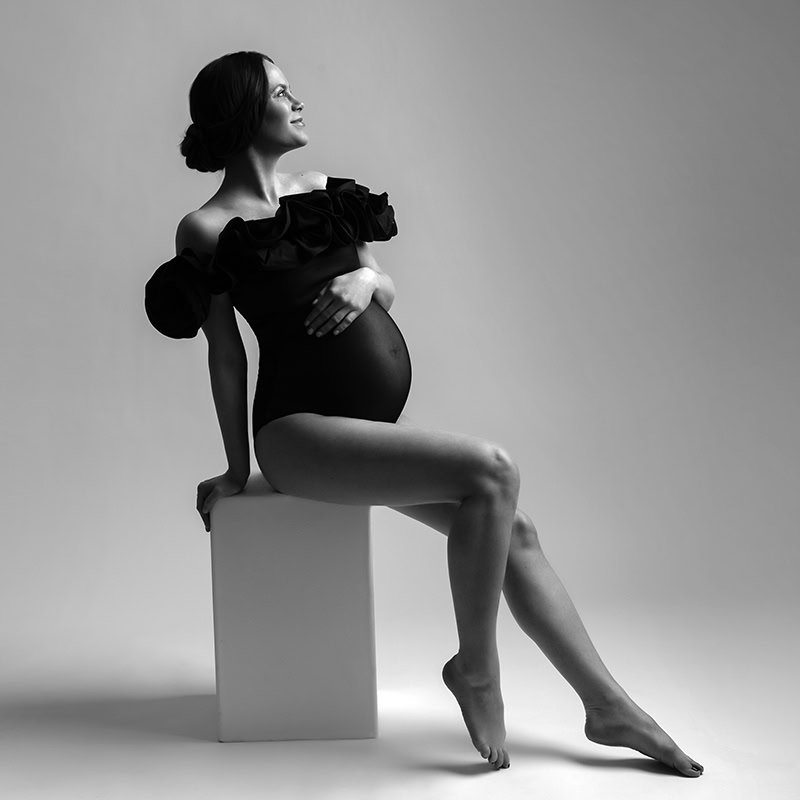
(485, 751)
(499, 758)
(689, 767)
(693, 773)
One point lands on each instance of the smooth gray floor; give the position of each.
(116, 716)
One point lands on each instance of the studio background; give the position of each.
(596, 267)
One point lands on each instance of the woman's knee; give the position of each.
(497, 471)
(523, 533)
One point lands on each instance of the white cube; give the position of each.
(294, 625)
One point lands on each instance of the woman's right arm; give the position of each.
(227, 366)
(227, 358)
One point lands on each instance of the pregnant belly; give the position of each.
(364, 371)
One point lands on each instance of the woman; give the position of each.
(290, 252)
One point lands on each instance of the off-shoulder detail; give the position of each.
(178, 295)
(305, 225)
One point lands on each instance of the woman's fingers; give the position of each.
(203, 506)
(208, 492)
(338, 321)
(323, 313)
(205, 516)
(348, 320)
(209, 501)
(319, 305)
(339, 303)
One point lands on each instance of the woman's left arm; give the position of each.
(384, 288)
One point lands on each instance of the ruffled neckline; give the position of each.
(178, 294)
(304, 225)
(286, 198)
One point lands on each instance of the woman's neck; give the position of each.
(253, 175)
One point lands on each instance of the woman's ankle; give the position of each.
(477, 667)
(605, 697)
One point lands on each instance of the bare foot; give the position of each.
(482, 708)
(622, 723)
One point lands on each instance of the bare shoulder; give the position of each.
(309, 180)
(200, 230)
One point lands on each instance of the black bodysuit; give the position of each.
(273, 269)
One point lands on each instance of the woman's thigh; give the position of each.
(363, 462)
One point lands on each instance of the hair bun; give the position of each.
(197, 150)
(195, 133)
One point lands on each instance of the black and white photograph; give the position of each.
(400, 400)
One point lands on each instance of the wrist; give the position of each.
(240, 475)
(371, 276)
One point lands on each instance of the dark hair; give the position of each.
(227, 101)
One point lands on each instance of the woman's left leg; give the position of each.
(543, 609)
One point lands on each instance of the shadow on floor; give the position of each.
(404, 743)
(544, 751)
(185, 716)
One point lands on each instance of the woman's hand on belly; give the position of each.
(341, 301)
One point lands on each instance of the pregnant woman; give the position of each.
(289, 251)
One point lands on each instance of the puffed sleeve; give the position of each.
(177, 296)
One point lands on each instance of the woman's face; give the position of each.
(280, 129)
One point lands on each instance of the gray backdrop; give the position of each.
(596, 267)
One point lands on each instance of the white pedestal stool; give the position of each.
(294, 631)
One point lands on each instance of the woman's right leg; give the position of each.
(362, 462)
